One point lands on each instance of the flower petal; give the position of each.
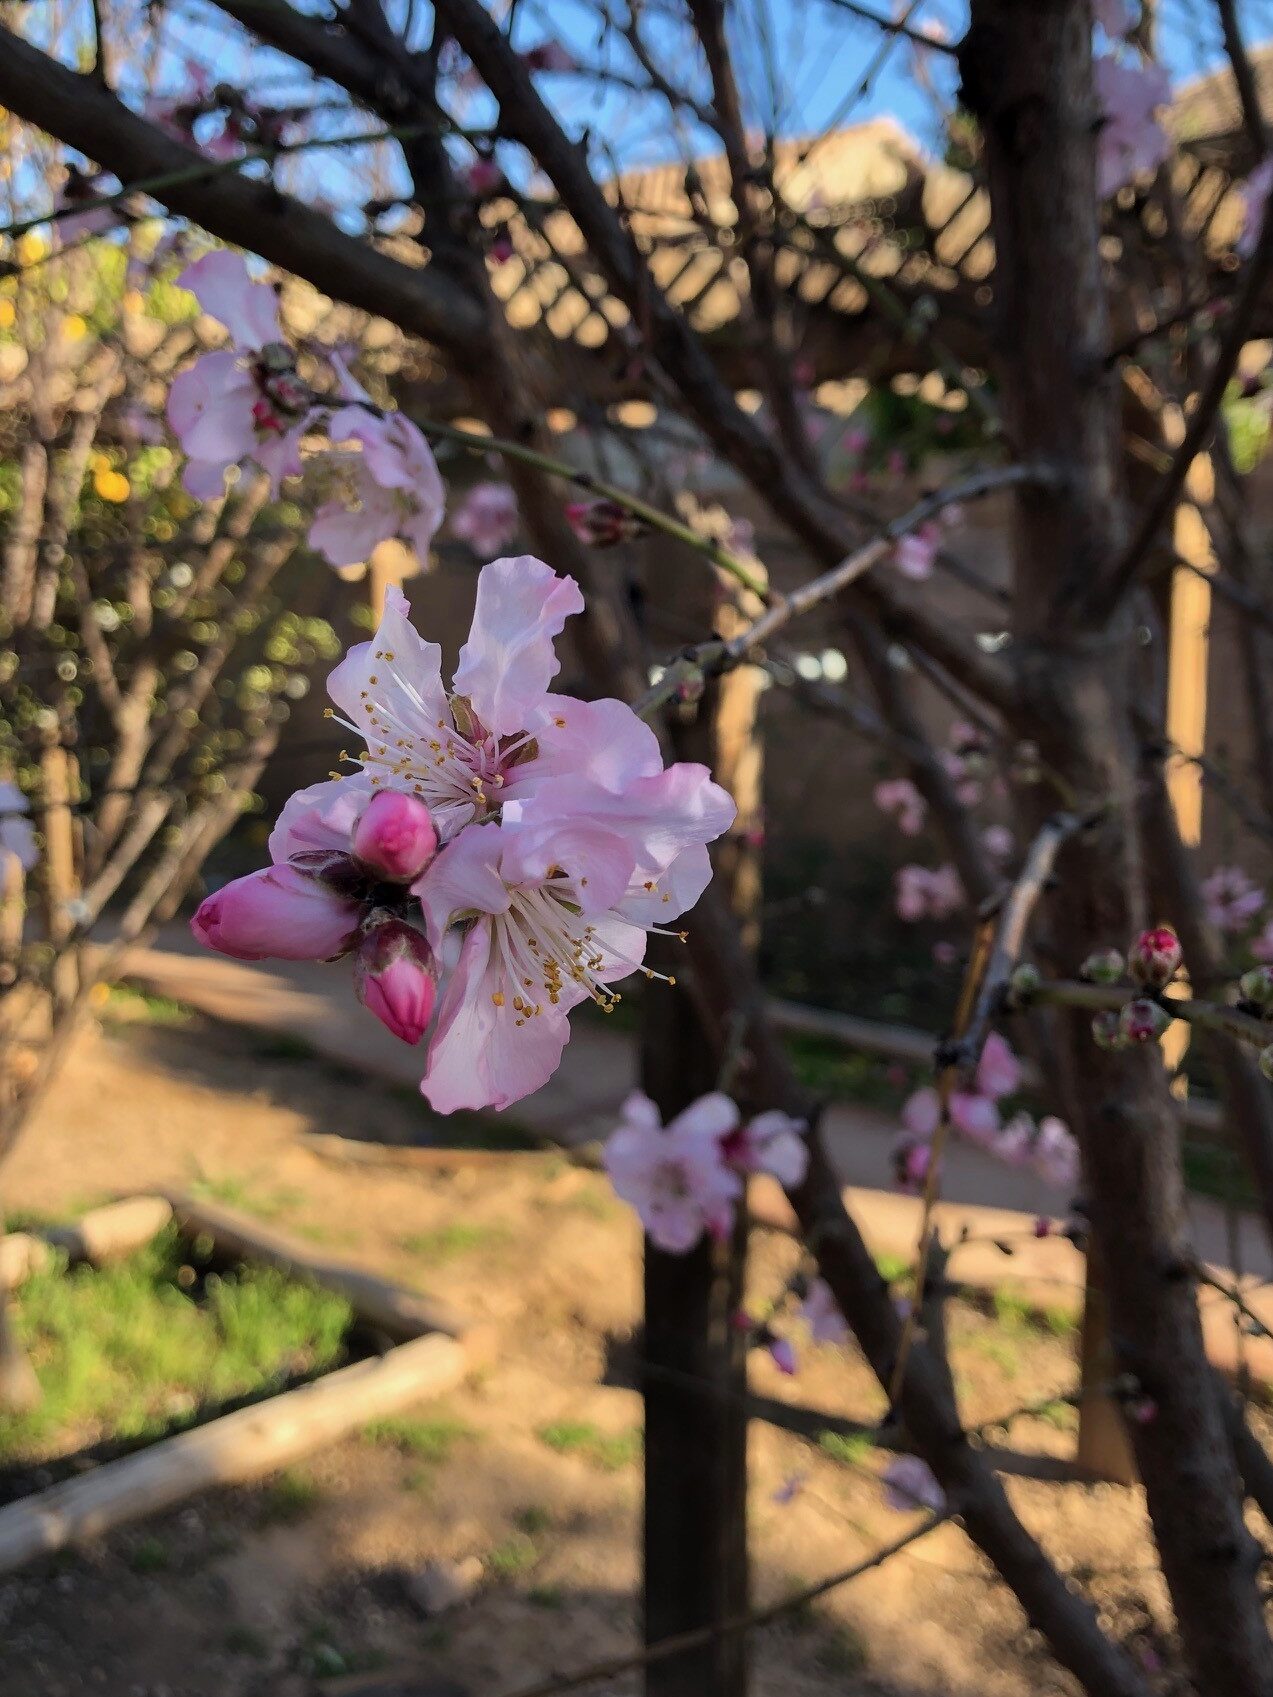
(507, 663)
(393, 680)
(223, 287)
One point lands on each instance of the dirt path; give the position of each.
(533, 1469)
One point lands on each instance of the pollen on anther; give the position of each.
(498, 998)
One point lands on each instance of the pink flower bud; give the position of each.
(1142, 1021)
(394, 977)
(1042, 1226)
(1154, 958)
(1142, 1411)
(280, 911)
(602, 523)
(395, 836)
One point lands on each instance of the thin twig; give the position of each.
(612, 1666)
(708, 659)
(1009, 938)
(1237, 333)
(1244, 77)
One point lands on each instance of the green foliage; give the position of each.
(609, 1451)
(1249, 425)
(126, 1352)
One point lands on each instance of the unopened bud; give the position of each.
(394, 836)
(1266, 1062)
(1107, 1031)
(602, 524)
(1256, 988)
(395, 977)
(1154, 958)
(1025, 980)
(1103, 966)
(1143, 1021)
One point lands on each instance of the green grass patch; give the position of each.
(125, 1352)
(430, 1440)
(289, 1497)
(444, 1243)
(515, 1556)
(127, 1002)
(610, 1451)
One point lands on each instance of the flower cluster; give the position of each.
(685, 1178)
(1131, 140)
(1048, 1147)
(247, 403)
(526, 841)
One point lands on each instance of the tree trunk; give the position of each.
(1027, 75)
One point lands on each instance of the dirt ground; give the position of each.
(312, 1582)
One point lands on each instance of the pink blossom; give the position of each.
(281, 912)
(916, 553)
(1056, 1154)
(395, 485)
(395, 836)
(1131, 140)
(486, 519)
(1013, 1144)
(17, 838)
(500, 734)
(580, 873)
(912, 1158)
(899, 797)
(895, 462)
(1232, 899)
(998, 1070)
(242, 402)
(1255, 199)
(821, 1314)
(921, 1112)
(909, 1484)
(974, 1116)
(857, 441)
(395, 977)
(944, 953)
(675, 1177)
(924, 893)
(771, 1143)
(998, 841)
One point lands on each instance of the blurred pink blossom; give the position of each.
(1130, 140)
(899, 797)
(486, 518)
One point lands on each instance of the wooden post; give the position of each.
(695, 1556)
